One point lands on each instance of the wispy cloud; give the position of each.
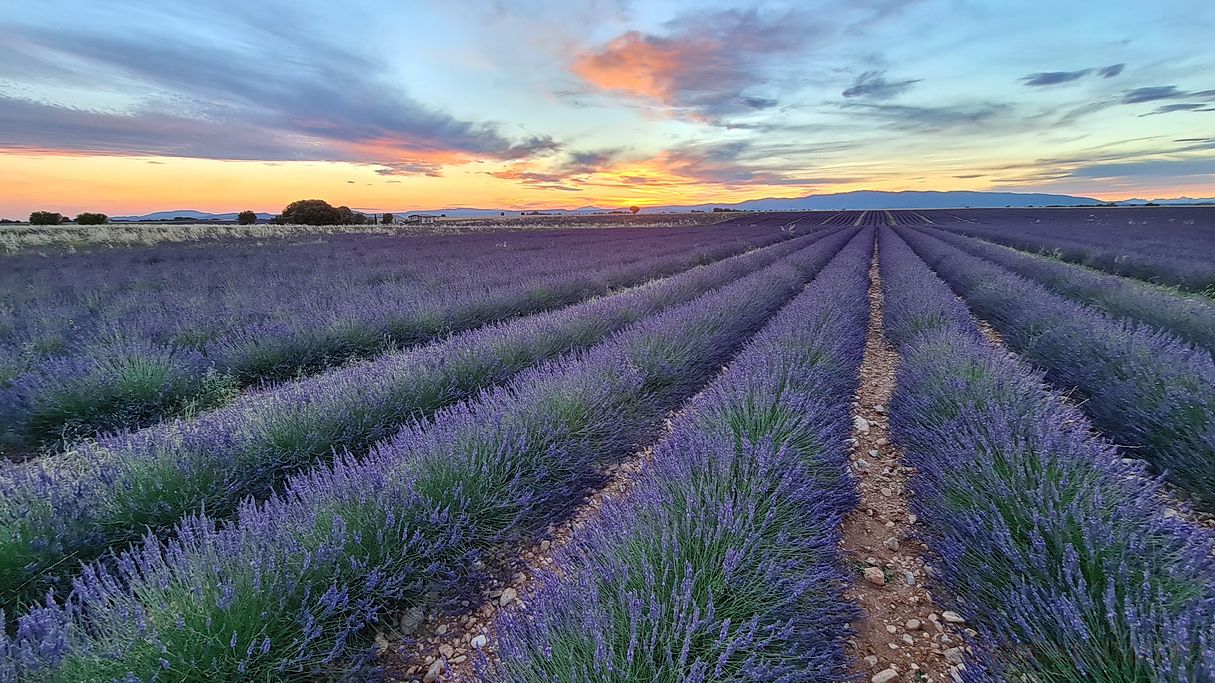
(1159, 168)
(873, 85)
(212, 101)
(945, 117)
(1151, 94)
(1044, 78)
(1049, 78)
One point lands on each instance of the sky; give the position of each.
(129, 107)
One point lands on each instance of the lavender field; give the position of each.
(885, 446)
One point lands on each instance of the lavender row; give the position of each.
(723, 562)
(90, 355)
(1143, 388)
(1190, 318)
(1053, 547)
(1170, 246)
(60, 510)
(294, 585)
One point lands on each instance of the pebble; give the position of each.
(885, 676)
(411, 620)
(871, 660)
(891, 628)
(908, 639)
(879, 409)
(508, 596)
(891, 543)
(913, 624)
(861, 424)
(952, 617)
(954, 655)
(874, 454)
(480, 641)
(886, 491)
(447, 651)
(435, 670)
(875, 576)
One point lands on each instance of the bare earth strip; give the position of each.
(446, 647)
(900, 636)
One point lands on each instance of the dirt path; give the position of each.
(901, 635)
(447, 646)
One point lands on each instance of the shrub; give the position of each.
(45, 218)
(92, 219)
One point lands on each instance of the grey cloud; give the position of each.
(331, 103)
(1156, 168)
(873, 85)
(905, 117)
(1181, 106)
(1163, 92)
(1049, 78)
(407, 168)
(1151, 94)
(589, 161)
(1044, 78)
(725, 163)
(759, 102)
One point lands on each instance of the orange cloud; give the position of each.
(644, 66)
(708, 66)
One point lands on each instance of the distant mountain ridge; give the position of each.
(187, 213)
(859, 199)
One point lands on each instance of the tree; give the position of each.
(310, 212)
(388, 219)
(347, 216)
(246, 218)
(45, 218)
(634, 209)
(92, 218)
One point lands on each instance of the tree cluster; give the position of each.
(46, 218)
(56, 218)
(92, 219)
(320, 212)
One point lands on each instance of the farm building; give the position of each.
(423, 218)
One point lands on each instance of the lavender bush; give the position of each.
(60, 510)
(1142, 387)
(1053, 548)
(723, 562)
(1190, 318)
(82, 331)
(292, 587)
(1166, 245)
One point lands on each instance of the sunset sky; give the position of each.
(220, 105)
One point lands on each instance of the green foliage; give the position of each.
(45, 218)
(246, 218)
(92, 219)
(310, 212)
